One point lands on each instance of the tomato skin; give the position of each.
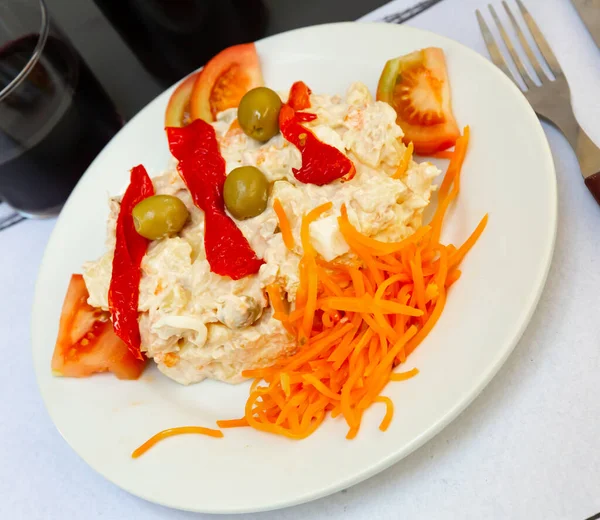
(177, 112)
(426, 138)
(224, 80)
(86, 342)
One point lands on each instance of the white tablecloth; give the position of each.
(527, 448)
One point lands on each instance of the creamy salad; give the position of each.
(196, 324)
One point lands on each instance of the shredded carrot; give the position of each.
(452, 277)
(347, 304)
(321, 387)
(302, 288)
(355, 321)
(311, 300)
(170, 433)
(274, 291)
(285, 383)
(431, 292)
(450, 185)
(419, 283)
(233, 423)
(404, 162)
(284, 225)
(420, 336)
(389, 411)
(391, 307)
(311, 274)
(376, 246)
(469, 243)
(308, 219)
(328, 282)
(403, 376)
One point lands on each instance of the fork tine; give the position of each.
(512, 51)
(493, 48)
(532, 58)
(540, 41)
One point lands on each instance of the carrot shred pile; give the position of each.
(355, 324)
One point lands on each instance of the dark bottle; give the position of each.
(174, 37)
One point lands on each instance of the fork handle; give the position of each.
(588, 154)
(593, 184)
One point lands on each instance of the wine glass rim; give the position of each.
(35, 56)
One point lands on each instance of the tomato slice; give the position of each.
(178, 109)
(224, 80)
(86, 342)
(417, 87)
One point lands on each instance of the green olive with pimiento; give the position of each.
(246, 191)
(258, 113)
(159, 216)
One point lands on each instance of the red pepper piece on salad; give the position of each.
(130, 248)
(299, 98)
(202, 168)
(321, 163)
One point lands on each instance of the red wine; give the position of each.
(174, 37)
(52, 125)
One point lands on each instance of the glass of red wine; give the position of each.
(55, 117)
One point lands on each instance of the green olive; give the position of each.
(159, 216)
(246, 192)
(258, 113)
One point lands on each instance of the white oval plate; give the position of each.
(508, 173)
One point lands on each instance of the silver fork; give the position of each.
(551, 99)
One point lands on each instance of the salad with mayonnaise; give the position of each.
(284, 243)
(196, 324)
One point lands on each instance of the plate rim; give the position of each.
(444, 420)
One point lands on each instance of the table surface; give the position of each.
(529, 445)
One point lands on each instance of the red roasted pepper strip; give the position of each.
(299, 98)
(321, 163)
(202, 168)
(130, 248)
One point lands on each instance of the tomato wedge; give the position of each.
(178, 109)
(86, 342)
(416, 86)
(224, 80)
